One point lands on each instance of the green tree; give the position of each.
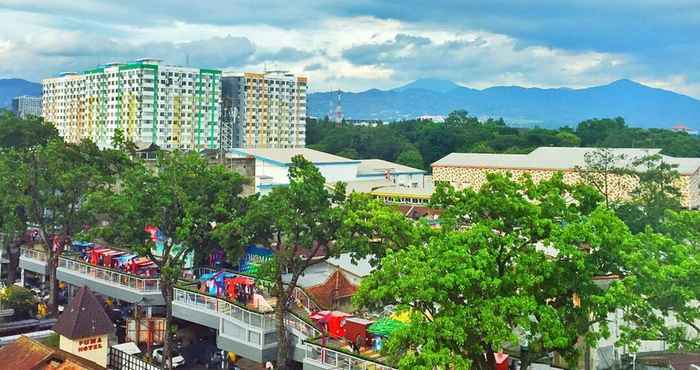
(410, 156)
(13, 220)
(23, 133)
(513, 260)
(657, 191)
(305, 224)
(184, 197)
(662, 283)
(20, 299)
(17, 136)
(594, 131)
(603, 170)
(56, 179)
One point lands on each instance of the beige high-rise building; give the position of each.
(263, 110)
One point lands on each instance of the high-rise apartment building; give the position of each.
(24, 106)
(151, 103)
(263, 110)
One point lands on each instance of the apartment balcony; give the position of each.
(319, 357)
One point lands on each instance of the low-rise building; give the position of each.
(272, 168)
(470, 169)
(84, 328)
(27, 353)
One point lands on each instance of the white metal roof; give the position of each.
(558, 158)
(380, 166)
(284, 156)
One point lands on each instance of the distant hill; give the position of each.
(640, 105)
(12, 87)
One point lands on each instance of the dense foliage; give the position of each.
(419, 143)
(305, 224)
(524, 264)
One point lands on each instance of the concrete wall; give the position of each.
(94, 349)
(619, 186)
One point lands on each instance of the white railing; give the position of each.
(298, 294)
(301, 326)
(254, 319)
(33, 254)
(225, 308)
(125, 280)
(304, 300)
(340, 360)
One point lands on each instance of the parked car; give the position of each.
(177, 358)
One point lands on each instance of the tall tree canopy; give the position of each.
(47, 186)
(184, 196)
(306, 223)
(515, 262)
(463, 133)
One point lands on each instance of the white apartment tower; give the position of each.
(24, 106)
(151, 103)
(263, 110)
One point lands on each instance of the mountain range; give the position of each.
(12, 87)
(640, 105)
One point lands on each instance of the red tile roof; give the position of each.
(26, 353)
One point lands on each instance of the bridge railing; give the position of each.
(340, 360)
(264, 321)
(34, 254)
(139, 283)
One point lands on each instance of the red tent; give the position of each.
(243, 280)
(110, 257)
(95, 254)
(501, 361)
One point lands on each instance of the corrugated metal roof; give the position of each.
(284, 156)
(380, 166)
(558, 158)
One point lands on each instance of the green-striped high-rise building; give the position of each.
(151, 103)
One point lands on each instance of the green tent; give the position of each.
(385, 327)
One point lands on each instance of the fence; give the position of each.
(305, 301)
(299, 294)
(225, 308)
(340, 360)
(33, 254)
(111, 276)
(302, 326)
(120, 360)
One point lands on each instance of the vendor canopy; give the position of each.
(385, 327)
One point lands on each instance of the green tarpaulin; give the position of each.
(385, 327)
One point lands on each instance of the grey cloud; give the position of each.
(286, 54)
(476, 61)
(313, 67)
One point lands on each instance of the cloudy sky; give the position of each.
(359, 44)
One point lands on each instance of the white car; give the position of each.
(178, 360)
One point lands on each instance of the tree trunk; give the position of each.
(53, 284)
(282, 338)
(52, 265)
(13, 250)
(167, 290)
